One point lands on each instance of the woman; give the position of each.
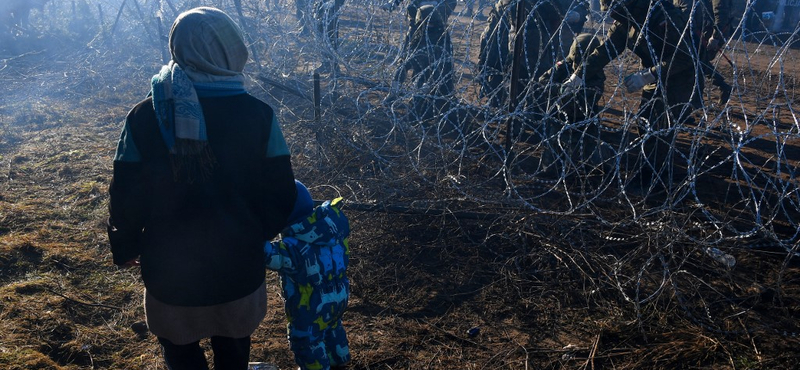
(202, 179)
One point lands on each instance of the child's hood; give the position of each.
(326, 225)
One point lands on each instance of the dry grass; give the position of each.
(596, 288)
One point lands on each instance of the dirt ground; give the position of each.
(447, 271)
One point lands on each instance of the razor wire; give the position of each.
(444, 136)
(434, 139)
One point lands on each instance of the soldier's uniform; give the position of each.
(581, 140)
(722, 11)
(716, 34)
(670, 59)
(494, 58)
(580, 104)
(542, 43)
(430, 59)
(709, 22)
(575, 16)
(326, 17)
(755, 18)
(445, 8)
(666, 54)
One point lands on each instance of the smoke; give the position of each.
(734, 169)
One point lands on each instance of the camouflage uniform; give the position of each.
(665, 52)
(541, 48)
(575, 16)
(544, 18)
(672, 56)
(444, 7)
(577, 105)
(580, 104)
(430, 59)
(326, 17)
(474, 8)
(709, 22)
(494, 58)
(723, 17)
(755, 21)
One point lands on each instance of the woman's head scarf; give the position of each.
(208, 45)
(208, 57)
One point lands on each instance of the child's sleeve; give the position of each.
(277, 257)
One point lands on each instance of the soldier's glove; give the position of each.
(714, 44)
(638, 80)
(572, 84)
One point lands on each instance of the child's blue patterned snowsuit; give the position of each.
(312, 259)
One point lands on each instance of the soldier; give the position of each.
(326, 14)
(494, 58)
(759, 18)
(715, 34)
(706, 21)
(666, 58)
(445, 8)
(541, 48)
(413, 5)
(430, 59)
(722, 26)
(575, 16)
(540, 27)
(475, 8)
(576, 105)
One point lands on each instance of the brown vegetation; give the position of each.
(448, 272)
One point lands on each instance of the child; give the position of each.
(311, 259)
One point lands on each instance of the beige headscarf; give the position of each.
(208, 56)
(208, 45)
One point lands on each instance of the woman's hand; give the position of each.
(132, 263)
